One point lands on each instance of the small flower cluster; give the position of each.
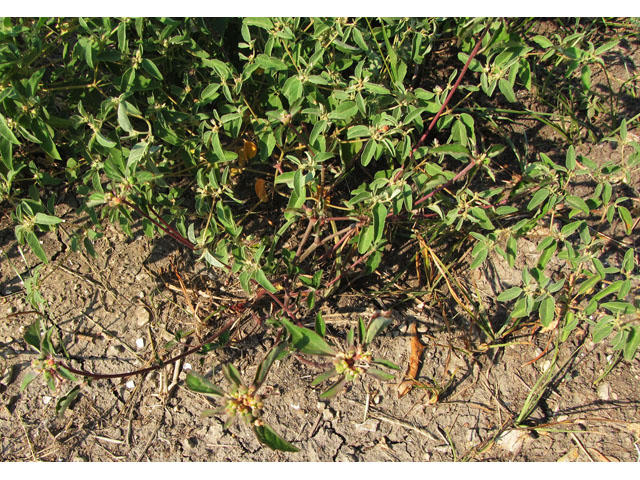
(48, 367)
(244, 402)
(352, 363)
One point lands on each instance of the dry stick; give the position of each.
(314, 246)
(305, 237)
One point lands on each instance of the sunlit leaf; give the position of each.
(267, 436)
(198, 383)
(63, 402)
(307, 341)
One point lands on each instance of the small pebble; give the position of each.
(140, 343)
(604, 391)
(371, 425)
(327, 414)
(46, 399)
(186, 366)
(130, 384)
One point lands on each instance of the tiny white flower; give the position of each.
(46, 399)
(186, 366)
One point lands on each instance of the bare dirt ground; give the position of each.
(116, 313)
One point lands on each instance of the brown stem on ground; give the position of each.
(142, 371)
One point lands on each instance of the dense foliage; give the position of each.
(198, 128)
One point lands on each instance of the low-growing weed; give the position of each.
(354, 140)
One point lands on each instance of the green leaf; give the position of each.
(543, 41)
(318, 129)
(135, 155)
(34, 243)
(509, 294)
(151, 68)
(6, 132)
(324, 376)
(267, 436)
(507, 90)
(622, 308)
(198, 383)
(633, 341)
(377, 89)
(104, 141)
(44, 219)
(607, 46)
(365, 239)
(602, 329)
(28, 378)
(41, 132)
(32, 335)
(262, 279)
(209, 93)
(320, 327)
(547, 311)
(539, 197)
(351, 336)
(232, 374)
(375, 327)
(262, 22)
(269, 63)
(66, 374)
(520, 308)
(451, 148)
(367, 153)
(307, 341)
(570, 161)
(358, 131)
(628, 261)
(480, 256)
(63, 402)
(379, 216)
(625, 216)
(123, 119)
(379, 374)
(334, 389)
(385, 363)
(292, 89)
(265, 365)
(577, 202)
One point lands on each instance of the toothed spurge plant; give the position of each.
(243, 401)
(350, 362)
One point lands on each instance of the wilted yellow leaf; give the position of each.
(246, 152)
(250, 149)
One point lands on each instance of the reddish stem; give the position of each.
(446, 102)
(142, 371)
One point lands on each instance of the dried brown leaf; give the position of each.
(414, 363)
